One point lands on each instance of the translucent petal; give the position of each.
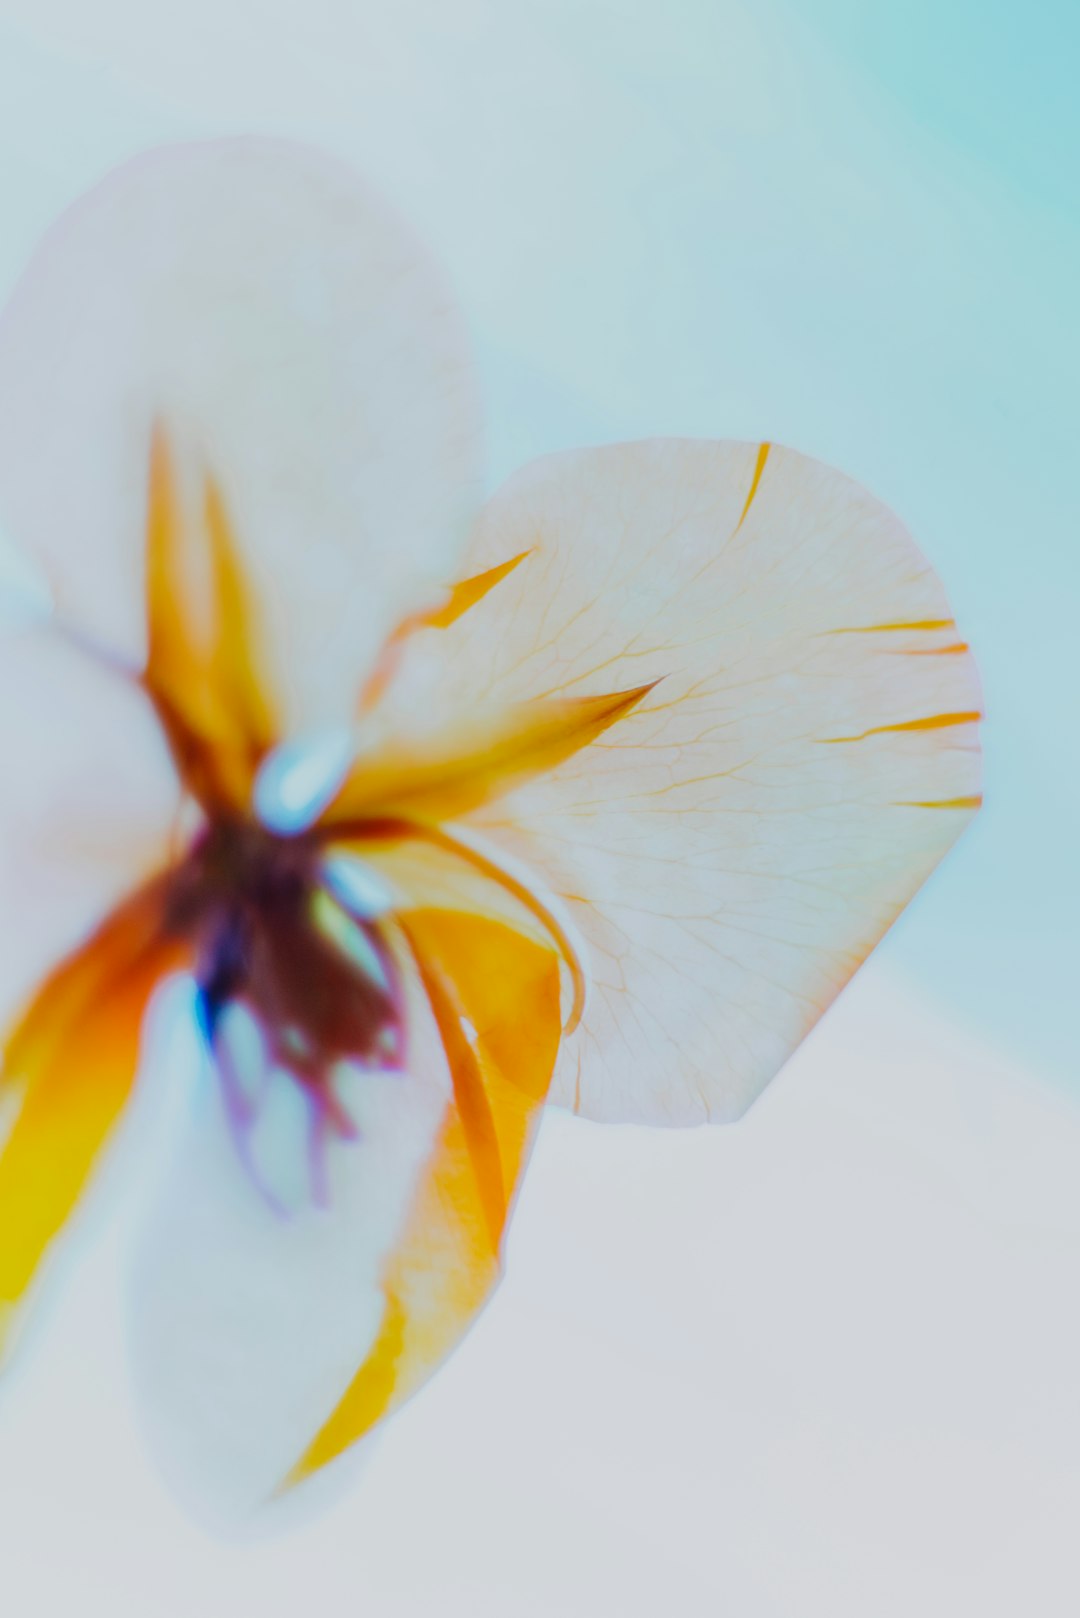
(295, 342)
(252, 1303)
(89, 808)
(261, 1324)
(734, 846)
(456, 602)
(69, 1066)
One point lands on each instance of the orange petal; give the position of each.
(69, 1067)
(495, 996)
(209, 688)
(738, 843)
(452, 775)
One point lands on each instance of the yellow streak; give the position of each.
(973, 802)
(893, 628)
(461, 597)
(467, 593)
(759, 467)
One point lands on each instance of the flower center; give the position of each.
(292, 985)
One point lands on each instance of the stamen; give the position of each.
(356, 886)
(299, 778)
(335, 924)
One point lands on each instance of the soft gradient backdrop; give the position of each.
(827, 1362)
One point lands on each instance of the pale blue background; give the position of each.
(852, 228)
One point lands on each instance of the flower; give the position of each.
(607, 822)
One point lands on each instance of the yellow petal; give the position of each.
(69, 1066)
(495, 997)
(293, 337)
(734, 846)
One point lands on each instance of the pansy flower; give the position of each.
(596, 795)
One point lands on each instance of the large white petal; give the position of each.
(89, 804)
(253, 1306)
(292, 334)
(734, 846)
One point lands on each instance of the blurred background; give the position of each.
(825, 1362)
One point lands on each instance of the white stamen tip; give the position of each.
(357, 887)
(300, 778)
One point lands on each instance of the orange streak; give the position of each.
(940, 721)
(465, 595)
(759, 467)
(460, 599)
(471, 1099)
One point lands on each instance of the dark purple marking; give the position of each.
(253, 900)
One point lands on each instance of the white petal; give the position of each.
(25, 596)
(248, 1323)
(89, 803)
(292, 334)
(733, 848)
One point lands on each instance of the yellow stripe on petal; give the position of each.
(448, 779)
(972, 802)
(69, 1067)
(759, 468)
(901, 626)
(495, 997)
(237, 672)
(465, 594)
(460, 599)
(203, 671)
